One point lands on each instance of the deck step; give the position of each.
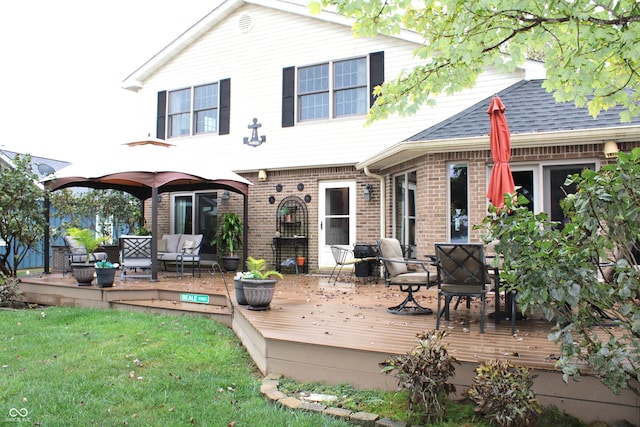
(220, 313)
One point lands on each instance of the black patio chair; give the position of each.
(398, 272)
(462, 272)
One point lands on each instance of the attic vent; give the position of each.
(245, 22)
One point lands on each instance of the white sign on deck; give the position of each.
(200, 299)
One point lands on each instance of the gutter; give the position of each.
(383, 197)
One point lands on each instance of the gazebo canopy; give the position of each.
(138, 168)
(146, 169)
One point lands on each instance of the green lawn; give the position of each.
(79, 367)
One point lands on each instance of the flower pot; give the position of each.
(239, 289)
(301, 261)
(83, 273)
(259, 293)
(230, 263)
(105, 277)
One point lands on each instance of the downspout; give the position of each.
(383, 197)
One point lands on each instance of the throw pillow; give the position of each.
(188, 246)
(162, 245)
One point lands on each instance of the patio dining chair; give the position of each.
(408, 274)
(343, 257)
(462, 272)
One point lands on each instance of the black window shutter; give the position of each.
(376, 72)
(288, 96)
(225, 107)
(162, 115)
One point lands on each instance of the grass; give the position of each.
(88, 367)
(83, 367)
(393, 405)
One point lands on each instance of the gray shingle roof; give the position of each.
(529, 109)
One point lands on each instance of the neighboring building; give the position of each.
(307, 81)
(42, 167)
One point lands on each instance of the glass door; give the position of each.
(207, 222)
(197, 213)
(336, 218)
(404, 219)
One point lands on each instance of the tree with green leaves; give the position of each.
(589, 47)
(583, 274)
(97, 209)
(22, 219)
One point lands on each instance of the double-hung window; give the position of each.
(193, 111)
(330, 89)
(334, 89)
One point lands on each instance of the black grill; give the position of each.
(366, 268)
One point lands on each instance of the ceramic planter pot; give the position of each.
(239, 289)
(105, 277)
(83, 273)
(230, 263)
(259, 293)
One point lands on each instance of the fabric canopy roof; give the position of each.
(141, 167)
(146, 169)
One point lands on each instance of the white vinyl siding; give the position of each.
(254, 62)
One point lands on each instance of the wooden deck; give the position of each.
(315, 331)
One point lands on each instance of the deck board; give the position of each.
(316, 331)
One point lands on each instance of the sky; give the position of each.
(62, 66)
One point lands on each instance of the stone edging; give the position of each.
(269, 389)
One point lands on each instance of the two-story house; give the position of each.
(308, 84)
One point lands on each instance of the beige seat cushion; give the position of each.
(392, 250)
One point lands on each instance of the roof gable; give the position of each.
(529, 109)
(225, 8)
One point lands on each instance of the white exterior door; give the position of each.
(336, 218)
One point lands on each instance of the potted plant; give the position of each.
(105, 273)
(86, 238)
(228, 240)
(258, 285)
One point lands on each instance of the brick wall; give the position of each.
(262, 214)
(432, 202)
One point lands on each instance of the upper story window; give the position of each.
(333, 90)
(330, 89)
(193, 111)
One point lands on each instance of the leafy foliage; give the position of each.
(229, 236)
(562, 270)
(588, 47)
(87, 239)
(22, 219)
(502, 392)
(98, 209)
(257, 269)
(424, 372)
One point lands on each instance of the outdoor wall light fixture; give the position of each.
(610, 149)
(262, 175)
(255, 139)
(368, 192)
(225, 197)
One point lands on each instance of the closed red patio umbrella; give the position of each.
(501, 181)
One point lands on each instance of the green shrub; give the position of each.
(502, 392)
(424, 372)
